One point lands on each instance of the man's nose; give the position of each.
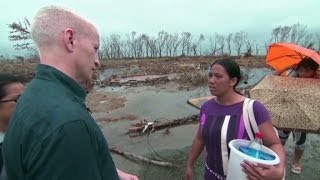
(97, 62)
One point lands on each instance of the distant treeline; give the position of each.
(164, 44)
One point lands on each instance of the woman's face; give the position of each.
(8, 103)
(219, 80)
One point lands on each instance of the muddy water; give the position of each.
(166, 102)
(151, 103)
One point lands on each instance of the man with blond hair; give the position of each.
(52, 135)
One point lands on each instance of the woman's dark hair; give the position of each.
(5, 80)
(308, 63)
(232, 68)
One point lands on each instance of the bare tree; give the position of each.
(200, 40)
(139, 46)
(20, 33)
(186, 43)
(133, 44)
(280, 34)
(152, 43)
(104, 48)
(297, 33)
(249, 45)
(257, 49)
(126, 49)
(175, 43)
(221, 42)
(162, 38)
(267, 44)
(317, 39)
(213, 46)
(228, 41)
(194, 49)
(275, 34)
(239, 39)
(307, 41)
(145, 39)
(171, 44)
(115, 46)
(196, 44)
(285, 33)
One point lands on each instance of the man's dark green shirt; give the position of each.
(53, 136)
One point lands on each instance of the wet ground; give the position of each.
(164, 102)
(117, 107)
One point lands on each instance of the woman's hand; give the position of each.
(189, 173)
(126, 176)
(256, 171)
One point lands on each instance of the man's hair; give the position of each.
(51, 21)
(7, 79)
(309, 63)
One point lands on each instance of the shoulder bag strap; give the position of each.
(246, 120)
(252, 118)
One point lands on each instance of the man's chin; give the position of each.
(88, 85)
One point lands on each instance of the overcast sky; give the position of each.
(257, 17)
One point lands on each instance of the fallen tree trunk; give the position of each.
(143, 126)
(141, 158)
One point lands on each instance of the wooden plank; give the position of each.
(198, 102)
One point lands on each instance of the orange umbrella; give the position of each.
(283, 55)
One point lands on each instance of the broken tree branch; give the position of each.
(141, 158)
(140, 127)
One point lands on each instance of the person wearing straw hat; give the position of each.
(307, 68)
(222, 121)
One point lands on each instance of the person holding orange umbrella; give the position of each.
(307, 68)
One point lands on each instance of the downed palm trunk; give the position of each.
(144, 126)
(142, 159)
(135, 80)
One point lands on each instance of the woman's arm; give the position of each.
(260, 171)
(197, 148)
(279, 72)
(271, 140)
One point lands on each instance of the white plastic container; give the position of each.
(237, 157)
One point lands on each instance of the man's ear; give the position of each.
(68, 39)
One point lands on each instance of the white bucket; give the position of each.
(237, 157)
